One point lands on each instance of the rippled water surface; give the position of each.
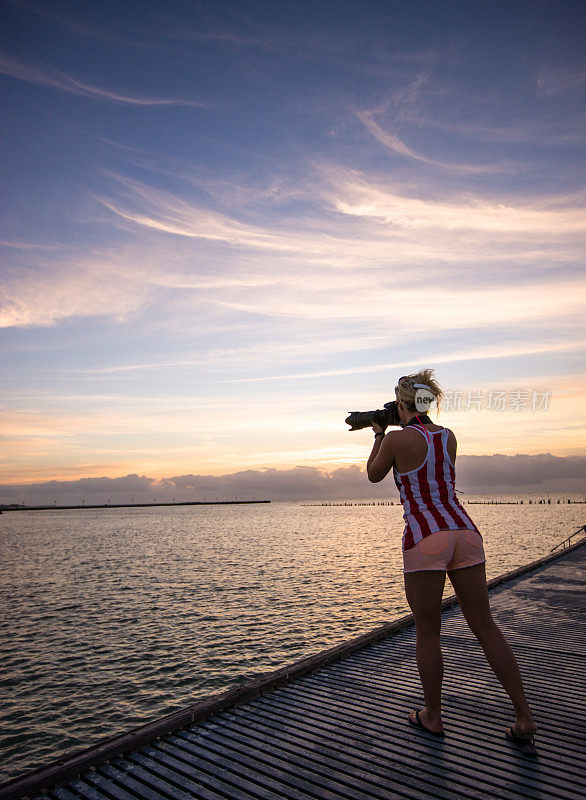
(111, 618)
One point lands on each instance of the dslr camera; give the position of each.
(388, 415)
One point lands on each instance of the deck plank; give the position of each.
(175, 773)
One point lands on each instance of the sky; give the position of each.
(227, 224)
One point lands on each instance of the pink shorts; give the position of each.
(445, 550)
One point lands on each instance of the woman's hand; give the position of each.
(377, 428)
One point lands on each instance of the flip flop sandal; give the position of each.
(526, 743)
(419, 724)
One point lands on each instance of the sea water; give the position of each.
(114, 617)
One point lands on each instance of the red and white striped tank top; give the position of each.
(427, 493)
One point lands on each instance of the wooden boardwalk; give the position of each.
(339, 730)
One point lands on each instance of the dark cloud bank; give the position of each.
(476, 475)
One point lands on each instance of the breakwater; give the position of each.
(131, 505)
(548, 501)
(544, 501)
(370, 503)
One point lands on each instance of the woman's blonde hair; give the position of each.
(406, 388)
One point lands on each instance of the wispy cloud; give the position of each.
(560, 80)
(447, 308)
(355, 194)
(26, 245)
(172, 215)
(55, 79)
(391, 141)
(477, 354)
(38, 297)
(358, 196)
(286, 268)
(53, 13)
(164, 212)
(294, 349)
(138, 367)
(556, 132)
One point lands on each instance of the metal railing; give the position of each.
(566, 542)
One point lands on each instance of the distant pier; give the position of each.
(545, 501)
(131, 505)
(370, 503)
(541, 502)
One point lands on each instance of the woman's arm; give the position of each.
(382, 457)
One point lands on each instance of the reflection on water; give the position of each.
(111, 618)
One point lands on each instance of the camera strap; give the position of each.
(421, 419)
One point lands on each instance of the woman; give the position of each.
(440, 537)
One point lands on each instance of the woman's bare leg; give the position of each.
(424, 591)
(470, 586)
